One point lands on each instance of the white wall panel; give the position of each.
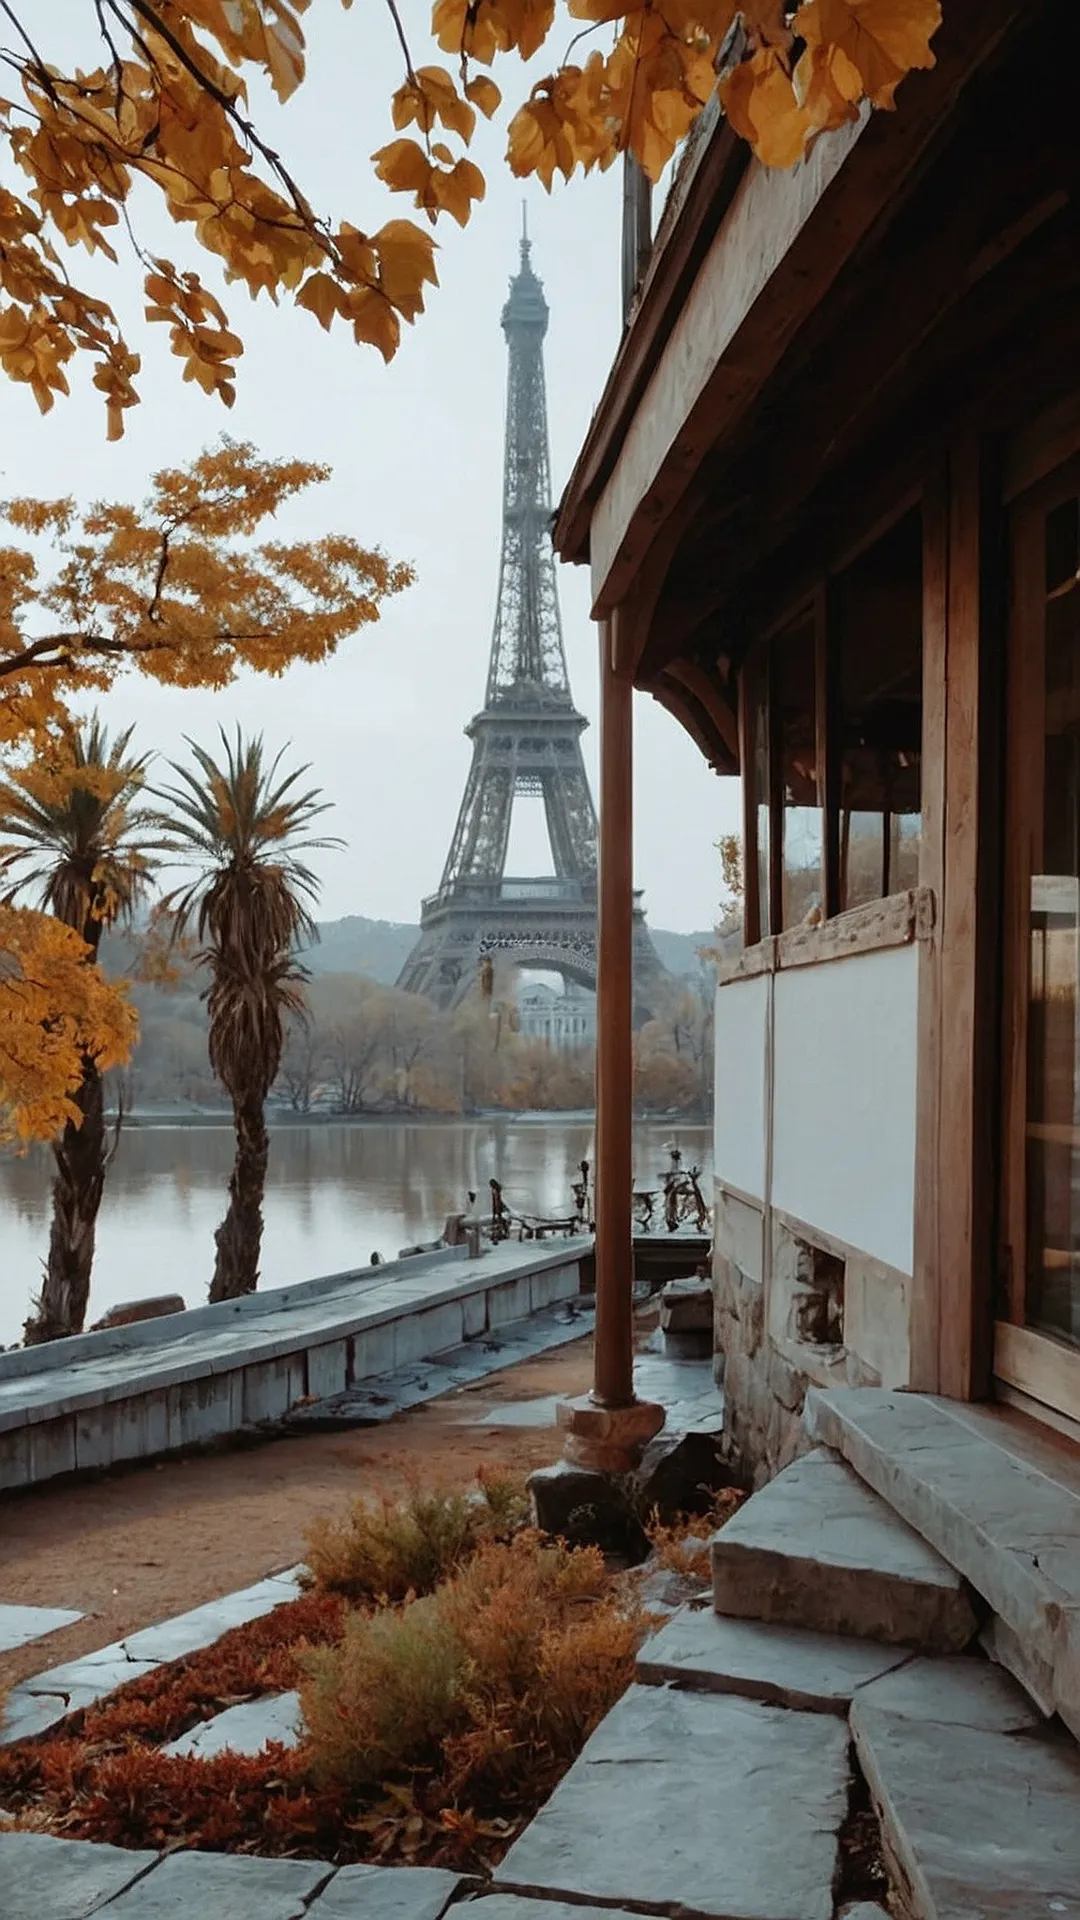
(739, 1142)
(845, 1045)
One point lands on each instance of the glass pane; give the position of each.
(794, 673)
(878, 620)
(761, 791)
(1053, 1130)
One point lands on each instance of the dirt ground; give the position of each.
(137, 1545)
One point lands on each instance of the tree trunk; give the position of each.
(239, 1237)
(81, 1160)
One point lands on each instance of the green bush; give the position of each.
(385, 1549)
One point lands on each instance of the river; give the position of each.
(335, 1194)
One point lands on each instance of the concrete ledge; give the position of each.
(999, 1501)
(133, 1392)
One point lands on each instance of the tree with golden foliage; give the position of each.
(74, 835)
(183, 590)
(161, 99)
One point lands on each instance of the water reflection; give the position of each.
(335, 1194)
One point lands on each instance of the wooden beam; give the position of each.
(674, 700)
(711, 167)
(613, 1365)
(711, 699)
(784, 240)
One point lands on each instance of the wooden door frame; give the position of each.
(1042, 1371)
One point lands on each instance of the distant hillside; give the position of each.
(380, 948)
(376, 948)
(679, 951)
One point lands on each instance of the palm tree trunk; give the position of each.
(81, 1160)
(239, 1237)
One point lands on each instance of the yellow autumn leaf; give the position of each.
(374, 321)
(406, 264)
(322, 296)
(456, 190)
(883, 39)
(461, 27)
(761, 104)
(438, 88)
(484, 94)
(403, 165)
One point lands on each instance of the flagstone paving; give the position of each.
(20, 1625)
(44, 1878)
(676, 1802)
(975, 1823)
(243, 1729)
(37, 1704)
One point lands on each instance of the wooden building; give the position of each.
(830, 500)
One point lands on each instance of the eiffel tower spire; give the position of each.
(527, 737)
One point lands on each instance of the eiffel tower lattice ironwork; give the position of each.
(526, 739)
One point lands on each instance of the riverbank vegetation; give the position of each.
(451, 1662)
(367, 1048)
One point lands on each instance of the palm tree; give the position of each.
(71, 834)
(243, 827)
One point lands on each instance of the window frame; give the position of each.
(817, 603)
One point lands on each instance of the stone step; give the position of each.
(693, 1805)
(999, 1498)
(816, 1548)
(703, 1652)
(974, 1822)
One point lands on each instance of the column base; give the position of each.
(607, 1439)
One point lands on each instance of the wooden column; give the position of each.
(958, 1099)
(606, 1430)
(613, 1379)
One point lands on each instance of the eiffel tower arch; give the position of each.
(526, 739)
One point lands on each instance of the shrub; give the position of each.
(385, 1549)
(486, 1688)
(670, 1542)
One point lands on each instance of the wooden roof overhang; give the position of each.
(802, 339)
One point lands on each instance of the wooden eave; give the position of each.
(699, 198)
(640, 465)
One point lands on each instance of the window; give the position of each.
(802, 819)
(760, 790)
(1053, 1129)
(833, 716)
(875, 618)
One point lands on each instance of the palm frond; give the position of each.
(71, 831)
(242, 825)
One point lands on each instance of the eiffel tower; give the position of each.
(526, 739)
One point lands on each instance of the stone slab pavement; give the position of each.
(44, 1878)
(20, 1625)
(38, 1703)
(382, 1397)
(243, 1729)
(976, 1823)
(674, 1803)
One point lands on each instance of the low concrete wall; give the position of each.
(133, 1392)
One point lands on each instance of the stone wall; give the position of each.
(763, 1393)
(768, 1351)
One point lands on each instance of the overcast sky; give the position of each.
(416, 452)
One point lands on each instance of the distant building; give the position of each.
(564, 1020)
